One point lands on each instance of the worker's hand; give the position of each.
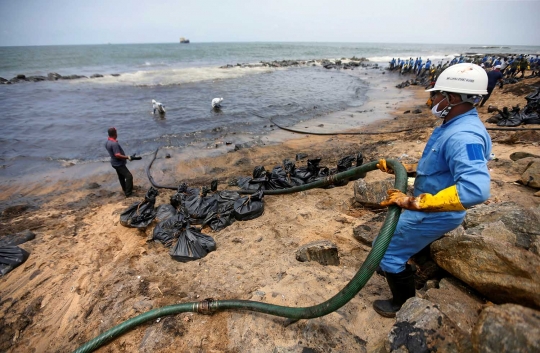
(129, 158)
(135, 158)
(501, 85)
(410, 168)
(445, 200)
(396, 197)
(384, 167)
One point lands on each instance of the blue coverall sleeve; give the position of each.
(466, 157)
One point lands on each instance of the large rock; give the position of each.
(520, 155)
(507, 328)
(496, 230)
(531, 176)
(501, 272)
(371, 194)
(324, 252)
(421, 327)
(525, 224)
(456, 301)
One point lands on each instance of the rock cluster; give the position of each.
(52, 76)
(488, 299)
(343, 63)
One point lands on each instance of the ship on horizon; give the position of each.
(184, 40)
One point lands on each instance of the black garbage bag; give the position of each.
(249, 207)
(256, 182)
(17, 238)
(310, 171)
(494, 119)
(531, 118)
(164, 212)
(166, 231)
(140, 214)
(277, 180)
(343, 165)
(222, 215)
(199, 206)
(290, 170)
(359, 161)
(192, 245)
(282, 177)
(11, 257)
(534, 96)
(214, 185)
(220, 218)
(182, 193)
(515, 118)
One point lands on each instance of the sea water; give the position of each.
(48, 124)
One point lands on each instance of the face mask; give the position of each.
(438, 114)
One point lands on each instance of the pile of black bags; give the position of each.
(189, 207)
(287, 175)
(179, 223)
(517, 116)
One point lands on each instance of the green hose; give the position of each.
(353, 173)
(337, 301)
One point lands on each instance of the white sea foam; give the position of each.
(177, 76)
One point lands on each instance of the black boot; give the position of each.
(402, 288)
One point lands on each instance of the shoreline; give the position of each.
(373, 114)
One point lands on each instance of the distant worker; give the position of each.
(118, 162)
(158, 107)
(451, 176)
(523, 65)
(216, 103)
(494, 76)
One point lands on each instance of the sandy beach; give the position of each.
(87, 273)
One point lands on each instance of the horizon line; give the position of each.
(291, 42)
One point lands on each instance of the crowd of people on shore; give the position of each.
(510, 66)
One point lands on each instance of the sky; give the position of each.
(63, 22)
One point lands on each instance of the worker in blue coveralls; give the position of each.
(451, 176)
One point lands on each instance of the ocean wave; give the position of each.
(170, 77)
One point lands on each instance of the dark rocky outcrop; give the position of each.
(507, 328)
(524, 223)
(422, 327)
(51, 76)
(498, 270)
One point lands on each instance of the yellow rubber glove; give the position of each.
(444, 200)
(410, 168)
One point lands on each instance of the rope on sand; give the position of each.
(331, 133)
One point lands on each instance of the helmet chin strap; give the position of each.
(474, 100)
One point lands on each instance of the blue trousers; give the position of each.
(416, 230)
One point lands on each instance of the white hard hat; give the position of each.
(497, 66)
(463, 78)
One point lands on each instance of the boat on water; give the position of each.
(184, 40)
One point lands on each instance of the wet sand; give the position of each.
(87, 273)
